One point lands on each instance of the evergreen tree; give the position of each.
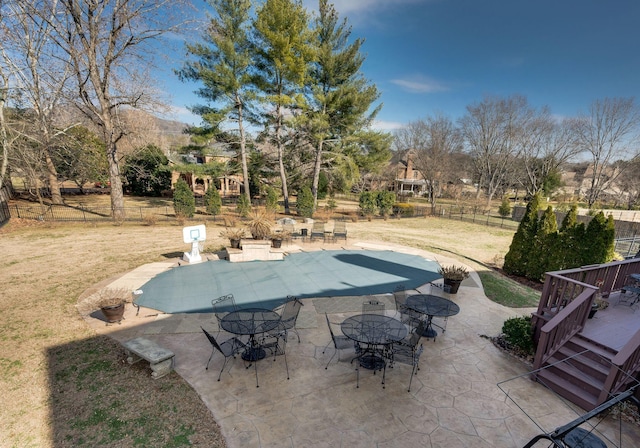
(367, 203)
(610, 239)
(213, 201)
(184, 204)
(505, 207)
(339, 98)
(283, 52)
(304, 202)
(243, 206)
(597, 241)
(543, 248)
(516, 259)
(271, 197)
(222, 66)
(570, 238)
(384, 201)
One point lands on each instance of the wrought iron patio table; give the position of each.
(251, 321)
(432, 306)
(373, 331)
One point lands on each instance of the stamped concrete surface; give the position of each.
(466, 393)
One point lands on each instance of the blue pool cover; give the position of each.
(190, 288)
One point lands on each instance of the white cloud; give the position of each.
(420, 84)
(379, 125)
(359, 11)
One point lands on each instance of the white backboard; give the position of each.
(194, 233)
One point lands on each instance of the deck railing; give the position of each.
(625, 363)
(564, 325)
(563, 311)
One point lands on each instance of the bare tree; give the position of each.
(546, 145)
(609, 132)
(629, 182)
(432, 143)
(494, 131)
(109, 44)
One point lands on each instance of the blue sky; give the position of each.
(439, 56)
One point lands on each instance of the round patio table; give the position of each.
(373, 330)
(251, 321)
(432, 306)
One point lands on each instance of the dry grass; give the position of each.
(61, 385)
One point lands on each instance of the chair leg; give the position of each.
(212, 352)
(223, 366)
(330, 359)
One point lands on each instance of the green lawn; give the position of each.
(508, 292)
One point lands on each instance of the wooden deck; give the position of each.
(614, 326)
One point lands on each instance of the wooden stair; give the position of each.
(577, 371)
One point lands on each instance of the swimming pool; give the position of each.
(190, 288)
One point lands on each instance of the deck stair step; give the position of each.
(567, 389)
(577, 371)
(594, 350)
(577, 374)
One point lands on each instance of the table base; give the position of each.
(429, 333)
(254, 354)
(371, 362)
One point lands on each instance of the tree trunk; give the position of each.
(243, 151)
(52, 175)
(316, 174)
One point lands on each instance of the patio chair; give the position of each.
(406, 355)
(412, 339)
(289, 229)
(288, 318)
(339, 230)
(407, 315)
(373, 306)
(229, 349)
(317, 231)
(222, 306)
(339, 342)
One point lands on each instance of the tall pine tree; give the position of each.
(222, 65)
(283, 53)
(517, 258)
(339, 98)
(543, 248)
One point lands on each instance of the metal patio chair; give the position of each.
(407, 315)
(373, 306)
(406, 355)
(229, 349)
(222, 306)
(339, 342)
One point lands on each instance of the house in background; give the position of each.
(407, 180)
(227, 185)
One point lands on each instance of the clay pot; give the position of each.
(114, 313)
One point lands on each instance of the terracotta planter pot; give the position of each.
(453, 285)
(113, 313)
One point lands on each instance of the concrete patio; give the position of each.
(454, 399)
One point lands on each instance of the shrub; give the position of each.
(184, 204)
(505, 208)
(385, 201)
(212, 201)
(150, 219)
(368, 203)
(403, 209)
(271, 202)
(304, 202)
(518, 333)
(243, 206)
(260, 226)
